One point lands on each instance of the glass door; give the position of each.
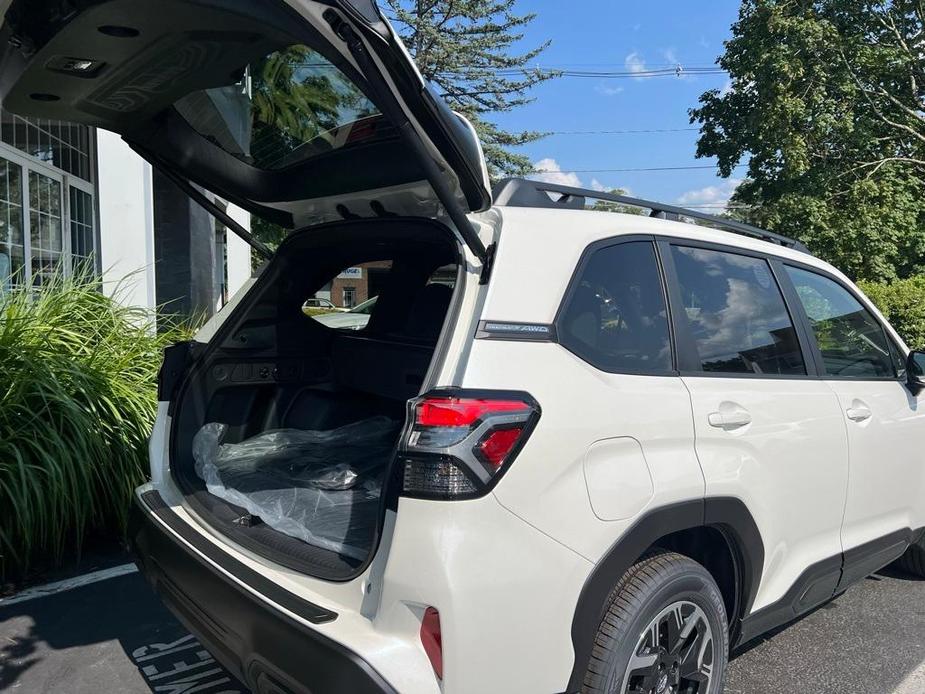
(46, 227)
(12, 232)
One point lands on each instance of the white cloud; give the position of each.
(711, 195)
(728, 88)
(670, 56)
(607, 90)
(553, 173)
(635, 63)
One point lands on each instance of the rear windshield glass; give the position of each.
(290, 106)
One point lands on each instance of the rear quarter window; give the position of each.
(615, 316)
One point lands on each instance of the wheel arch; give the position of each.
(676, 525)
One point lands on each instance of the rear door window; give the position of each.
(735, 313)
(852, 342)
(616, 317)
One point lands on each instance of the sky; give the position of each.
(626, 36)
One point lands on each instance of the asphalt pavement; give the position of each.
(115, 636)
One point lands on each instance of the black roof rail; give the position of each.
(521, 192)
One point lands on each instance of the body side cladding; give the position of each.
(825, 579)
(726, 514)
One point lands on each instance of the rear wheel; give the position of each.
(913, 561)
(664, 632)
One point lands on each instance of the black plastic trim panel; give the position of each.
(307, 610)
(825, 579)
(261, 645)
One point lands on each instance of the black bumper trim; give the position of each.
(264, 647)
(305, 609)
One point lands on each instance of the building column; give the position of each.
(184, 253)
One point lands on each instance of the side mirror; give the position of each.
(915, 372)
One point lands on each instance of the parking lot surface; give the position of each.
(115, 636)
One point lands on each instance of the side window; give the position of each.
(852, 341)
(616, 318)
(736, 313)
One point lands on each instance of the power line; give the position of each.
(674, 71)
(631, 170)
(646, 131)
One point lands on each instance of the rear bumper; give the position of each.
(263, 646)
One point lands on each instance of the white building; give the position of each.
(71, 195)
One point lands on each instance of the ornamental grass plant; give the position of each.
(78, 397)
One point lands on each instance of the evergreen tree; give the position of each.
(467, 49)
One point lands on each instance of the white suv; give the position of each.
(568, 450)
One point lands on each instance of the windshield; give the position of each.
(285, 108)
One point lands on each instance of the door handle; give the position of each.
(859, 412)
(729, 420)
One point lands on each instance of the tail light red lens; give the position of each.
(498, 444)
(460, 442)
(432, 640)
(461, 412)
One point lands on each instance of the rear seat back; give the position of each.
(387, 368)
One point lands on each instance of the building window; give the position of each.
(45, 226)
(83, 241)
(47, 200)
(12, 239)
(64, 146)
(350, 297)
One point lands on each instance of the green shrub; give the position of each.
(903, 304)
(78, 398)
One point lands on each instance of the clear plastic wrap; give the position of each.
(321, 487)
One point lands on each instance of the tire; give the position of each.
(913, 561)
(670, 590)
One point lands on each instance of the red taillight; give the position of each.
(432, 640)
(461, 412)
(460, 442)
(498, 444)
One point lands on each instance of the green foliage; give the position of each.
(466, 48)
(831, 158)
(77, 402)
(298, 98)
(608, 206)
(903, 304)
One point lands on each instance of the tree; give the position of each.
(466, 48)
(608, 206)
(812, 107)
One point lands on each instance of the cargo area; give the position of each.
(286, 424)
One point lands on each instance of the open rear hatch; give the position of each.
(299, 111)
(312, 115)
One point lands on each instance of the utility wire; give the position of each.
(647, 131)
(631, 170)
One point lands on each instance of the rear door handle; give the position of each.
(858, 412)
(729, 420)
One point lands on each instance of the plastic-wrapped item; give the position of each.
(321, 487)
